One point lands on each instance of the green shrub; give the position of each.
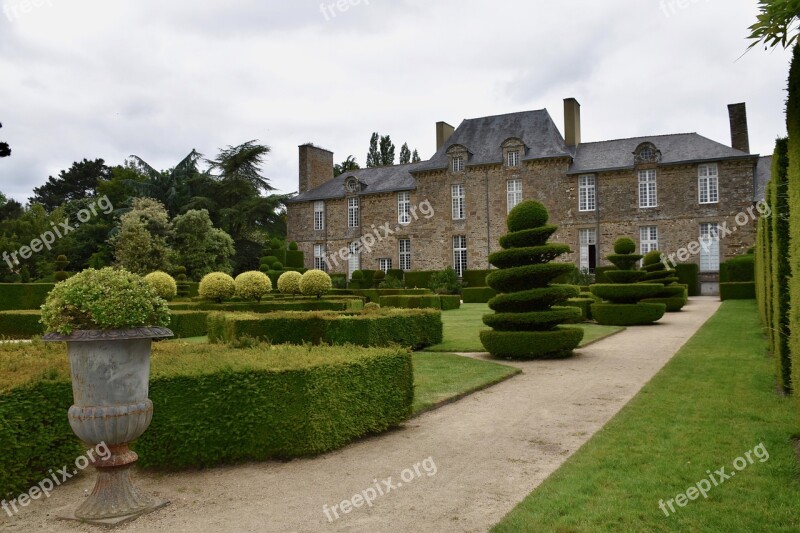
(295, 259)
(583, 304)
(625, 276)
(58, 276)
(445, 282)
(673, 303)
(270, 305)
(514, 257)
(475, 278)
(689, 274)
(277, 266)
(20, 324)
(624, 246)
(450, 302)
(477, 295)
(268, 261)
(425, 301)
(252, 285)
(540, 299)
(163, 283)
(780, 269)
(395, 273)
(293, 246)
(20, 296)
(391, 282)
(737, 290)
(600, 274)
(315, 283)
(103, 299)
(186, 324)
(371, 306)
(532, 321)
(418, 280)
(526, 216)
(554, 344)
(289, 283)
(339, 281)
(526, 277)
(217, 286)
(627, 314)
(652, 258)
(527, 237)
(627, 294)
(740, 268)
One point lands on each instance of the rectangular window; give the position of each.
(513, 193)
(460, 254)
(458, 164)
(588, 245)
(353, 215)
(513, 158)
(648, 239)
(457, 192)
(647, 189)
(403, 207)
(708, 184)
(587, 196)
(405, 254)
(319, 216)
(709, 247)
(385, 264)
(353, 258)
(319, 257)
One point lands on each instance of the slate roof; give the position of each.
(763, 175)
(374, 181)
(483, 138)
(676, 148)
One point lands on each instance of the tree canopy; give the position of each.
(5, 150)
(777, 23)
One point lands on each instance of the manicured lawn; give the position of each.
(462, 328)
(441, 377)
(712, 404)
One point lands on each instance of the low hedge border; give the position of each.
(477, 295)
(627, 314)
(268, 306)
(475, 278)
(374, 295)
(213, 405)
(415, 328)
(584, 304)
(23, 296)
(445, 302)
(737, 290)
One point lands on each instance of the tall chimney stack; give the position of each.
(443, 132)
(316, 167)
(572, 122)
(740, 138)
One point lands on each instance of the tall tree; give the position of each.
(141, 243)
(387, 151)
(776, 23)
(415, 157)
(199, 246)
(405, 154)
(345, 166)
(79, 182)
(5, 150)
(170, 187)
(374, 154)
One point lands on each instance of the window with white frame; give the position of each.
(587, 195)
(405, 254)
(588, 248)
(513, 193)
(353, 258)
(458, 164)
(353, 215)
(319, 215)
(708, 184)
(403, 207)
(709, 247)
(647, 188)
(385, 264)
(513, 158)
(460, 254)
(319, 257)
(457, 193)
(648, 239)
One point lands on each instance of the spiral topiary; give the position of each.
(217, 286)
(289, 282)
(252, 285)
(315, 283)
(525, 323)
(621, 299)
(163, 283)
(61, 264)
(674, 296)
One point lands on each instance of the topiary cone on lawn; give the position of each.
(526, 325)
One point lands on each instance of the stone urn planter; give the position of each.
(110, 369)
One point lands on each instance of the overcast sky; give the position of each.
(102, 79)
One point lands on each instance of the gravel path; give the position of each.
(459, 468)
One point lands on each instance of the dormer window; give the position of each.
(513, 158)
(351, 185)
(646, 153)
(513, 150)
(458, 164)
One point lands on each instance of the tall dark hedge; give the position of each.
(793, 127)
(779, 270)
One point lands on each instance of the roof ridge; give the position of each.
(647, 137)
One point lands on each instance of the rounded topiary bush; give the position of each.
(277, 266)
(252, 285)
(526, 216)
(293, 246)
(379, 275)
(624, 246)
(268, 261)
(289, 282)
(217, 286)
(103, 299)
(371, 306)
(357, 275)
(315, 283)
(526, 325)
(163, 283)
(60, 276)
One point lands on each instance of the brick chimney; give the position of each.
(740, 138)
(572, 122)
(316, 167)
(443, 132)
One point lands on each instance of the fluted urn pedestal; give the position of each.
(110, 383)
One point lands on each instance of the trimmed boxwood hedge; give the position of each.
(475, 278)
(477, 295)
(584, 304)
(673, 303)
(527, 237)
(539, 299)
(689, 274)
(23, 296)
(374, 295)
(600, 274)
(737, 290)
(415, 328)
(740, 268)
(186, 324)
(627, 314)
(295, 259)
(630, 293)
(213, 405)
(419, 279)
(274, 304)
(554, 344)
(531, 321)
(444, 302)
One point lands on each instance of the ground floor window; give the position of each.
(385, 264)
(709, 247)
(353, 258)
(588, 247)
(460, 254)
(648, 239)
(319, 257)
(405, 254)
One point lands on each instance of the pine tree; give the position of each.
(405, 154)
(415, 157)
(387, 151)
(373, 156)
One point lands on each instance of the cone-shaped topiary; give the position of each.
(525, 324)
(621, 305)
